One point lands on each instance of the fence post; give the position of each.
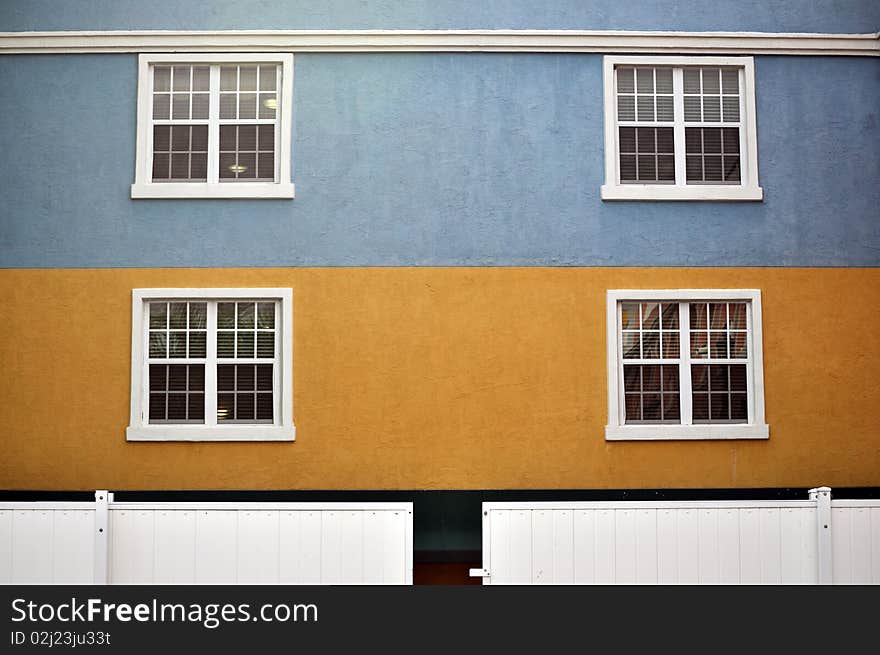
(822, 496)
(102, 525)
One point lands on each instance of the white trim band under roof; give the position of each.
(441, 41)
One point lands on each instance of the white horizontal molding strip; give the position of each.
(442, 41)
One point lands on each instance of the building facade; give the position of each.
(335, 250)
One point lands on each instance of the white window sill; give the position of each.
(688, 432)
(205, 190)
(671, 192)
(214, 433)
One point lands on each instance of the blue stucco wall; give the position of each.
(436, 159)
(743, 15)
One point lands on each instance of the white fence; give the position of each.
(207, 542)
(679, 542)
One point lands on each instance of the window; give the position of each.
(680, 128)
(211, 365)
(685, 364)
(214, 126)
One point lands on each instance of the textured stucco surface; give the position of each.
(424, 378)
(745, 15)
(436, 160)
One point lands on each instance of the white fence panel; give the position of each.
(261, 543)
(855, 539)
(206, 543)
(47, 543)
(694, 542)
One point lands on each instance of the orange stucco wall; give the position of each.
(433, 378)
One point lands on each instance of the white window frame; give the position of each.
(139, 429)
(144, 187)
(748, 189)
(617, 430)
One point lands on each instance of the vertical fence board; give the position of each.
(131, 544)
(175, 539)
(563, 547)
(290, 555)
(605, 566)
(708, 545)
(394, 560)
(521, 547)
(216, 546)
(331, 547)
(258, 542)
(667, 550)
(728, 546)
(73, 556)
(353, 547)
(688, 545)
(584, 546)
(771, 543)
(625, 571)
(5, 546)
(32, 546)
(841, 545)
(860, 540)
(310, 544)
(374, 561)
(750, 546)
(646, 546)
(542, 546)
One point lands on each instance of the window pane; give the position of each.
(671, 345)
(670, 316)
(633, 410)
(177, 344)
(161, 106)
(228, 106)
(247, 105)
(161, 78)
(629, 315)
(225, 407)
(264, 377)
(650, 316)
(651, 345)
(267, 77)
(196, 409)
(176, 406)
(158, 344)
(226, 344)
(244, 380)
(200, 105)
(265, 344)
(245, 315)
(651, 378)
(265, 409)
(670, 378)
(180, 77)
(226, 315)
(198, 346)
(244, 406)
(245, 344)
(177, 377)
(625, 80)
(158, 379)
(631, 345)
(158, 315)
(226, 377)
(651, 404)
(626, 108)
(632, 378)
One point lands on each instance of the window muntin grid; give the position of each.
(702, 108)
(669, 350)
(195, 376)
(214, 101)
